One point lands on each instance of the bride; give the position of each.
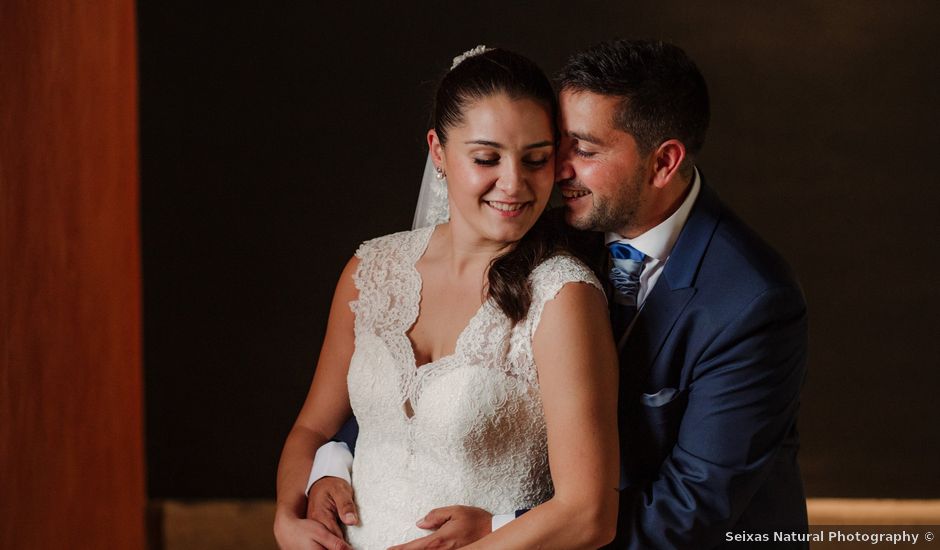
(476, 354)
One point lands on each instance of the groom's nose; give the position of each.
(563, 167)
(564, 170)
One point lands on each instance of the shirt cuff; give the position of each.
(333, 459)
(500, 520)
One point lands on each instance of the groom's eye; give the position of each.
(582, 153)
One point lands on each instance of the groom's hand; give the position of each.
(330, 502)
(455, 526)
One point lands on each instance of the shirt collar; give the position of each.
(658, 242)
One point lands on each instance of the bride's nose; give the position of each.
(512, 179)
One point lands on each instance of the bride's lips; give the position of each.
(508, 209)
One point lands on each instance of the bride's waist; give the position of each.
(408, 448)
(438, 480)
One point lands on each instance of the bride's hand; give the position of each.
(295, 533)
(455, 526)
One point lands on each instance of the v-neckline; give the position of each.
(409, 344)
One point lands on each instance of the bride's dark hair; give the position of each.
(477, 77)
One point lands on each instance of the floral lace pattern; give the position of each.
(466, 428)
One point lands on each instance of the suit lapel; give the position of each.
(653, 325)
(674, 289)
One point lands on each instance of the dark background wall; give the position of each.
(274, 140)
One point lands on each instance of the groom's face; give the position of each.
(600, 170)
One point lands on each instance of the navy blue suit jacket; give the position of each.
(710, 388)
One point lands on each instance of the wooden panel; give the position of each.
(217, 524)
(71, 444)
(848, 511)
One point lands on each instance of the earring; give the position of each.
(440, 190)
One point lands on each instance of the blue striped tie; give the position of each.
(626, 265)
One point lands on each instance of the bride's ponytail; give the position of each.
(509, 273)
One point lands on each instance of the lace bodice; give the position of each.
(466, 428)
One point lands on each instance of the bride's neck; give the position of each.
(467, 252)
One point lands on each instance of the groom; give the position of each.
(711, 325)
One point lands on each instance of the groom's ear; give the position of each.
(667, 160)
(436, 149)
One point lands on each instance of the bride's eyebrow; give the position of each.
(496, 145)
(492, 144)
(540, 144)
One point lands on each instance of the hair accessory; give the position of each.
(469, 53)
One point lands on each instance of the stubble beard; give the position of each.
(613, 214)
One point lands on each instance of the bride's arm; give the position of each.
(322, 415)
(577, 370)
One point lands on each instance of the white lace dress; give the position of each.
(476, 433)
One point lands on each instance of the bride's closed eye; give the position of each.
(537, 162)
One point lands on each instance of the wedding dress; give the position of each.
(466, 428)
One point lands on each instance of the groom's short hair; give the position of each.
(664, 94)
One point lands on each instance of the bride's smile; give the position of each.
(508, 209)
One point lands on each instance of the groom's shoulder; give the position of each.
(737, 250)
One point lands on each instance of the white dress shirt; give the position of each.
(334, 459)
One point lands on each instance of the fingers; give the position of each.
(314, 505)
(435, 518)
(325, 538)
(332, 496)
(306, 534)
(418, 544)
(327, 518)
(325, 515)
(345, 504)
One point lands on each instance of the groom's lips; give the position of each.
(571, 194)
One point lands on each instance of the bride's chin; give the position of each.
(510, 235)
